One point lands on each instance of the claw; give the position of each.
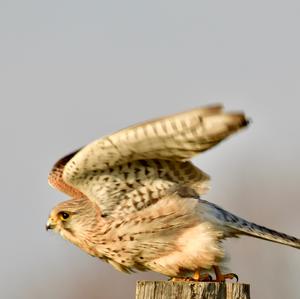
(235, 276)
(222, 277)
(229, 276)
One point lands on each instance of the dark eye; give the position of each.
(64, 215)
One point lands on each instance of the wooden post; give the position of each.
(191, 290)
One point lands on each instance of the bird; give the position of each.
(136, 199)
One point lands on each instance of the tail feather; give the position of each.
(243, 227)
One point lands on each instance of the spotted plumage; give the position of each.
(136, 196)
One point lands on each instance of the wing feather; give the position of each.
(177, 137)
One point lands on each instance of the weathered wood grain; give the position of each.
(191, 290)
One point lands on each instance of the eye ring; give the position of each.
(64, 215)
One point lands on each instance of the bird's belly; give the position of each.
(198, 247)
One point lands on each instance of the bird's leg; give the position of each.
(222, 277)
(197, 276)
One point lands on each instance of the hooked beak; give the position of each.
(50, 224)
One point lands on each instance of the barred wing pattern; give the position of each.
(135, 167)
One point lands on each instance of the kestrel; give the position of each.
(135, 197)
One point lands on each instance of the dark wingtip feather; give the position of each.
(246, 122)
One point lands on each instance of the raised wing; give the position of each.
(102, 169)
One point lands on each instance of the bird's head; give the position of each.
(73, 219)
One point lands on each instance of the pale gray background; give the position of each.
(72, 71)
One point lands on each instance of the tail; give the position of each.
(239, 226)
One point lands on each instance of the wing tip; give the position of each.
(238, 119)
